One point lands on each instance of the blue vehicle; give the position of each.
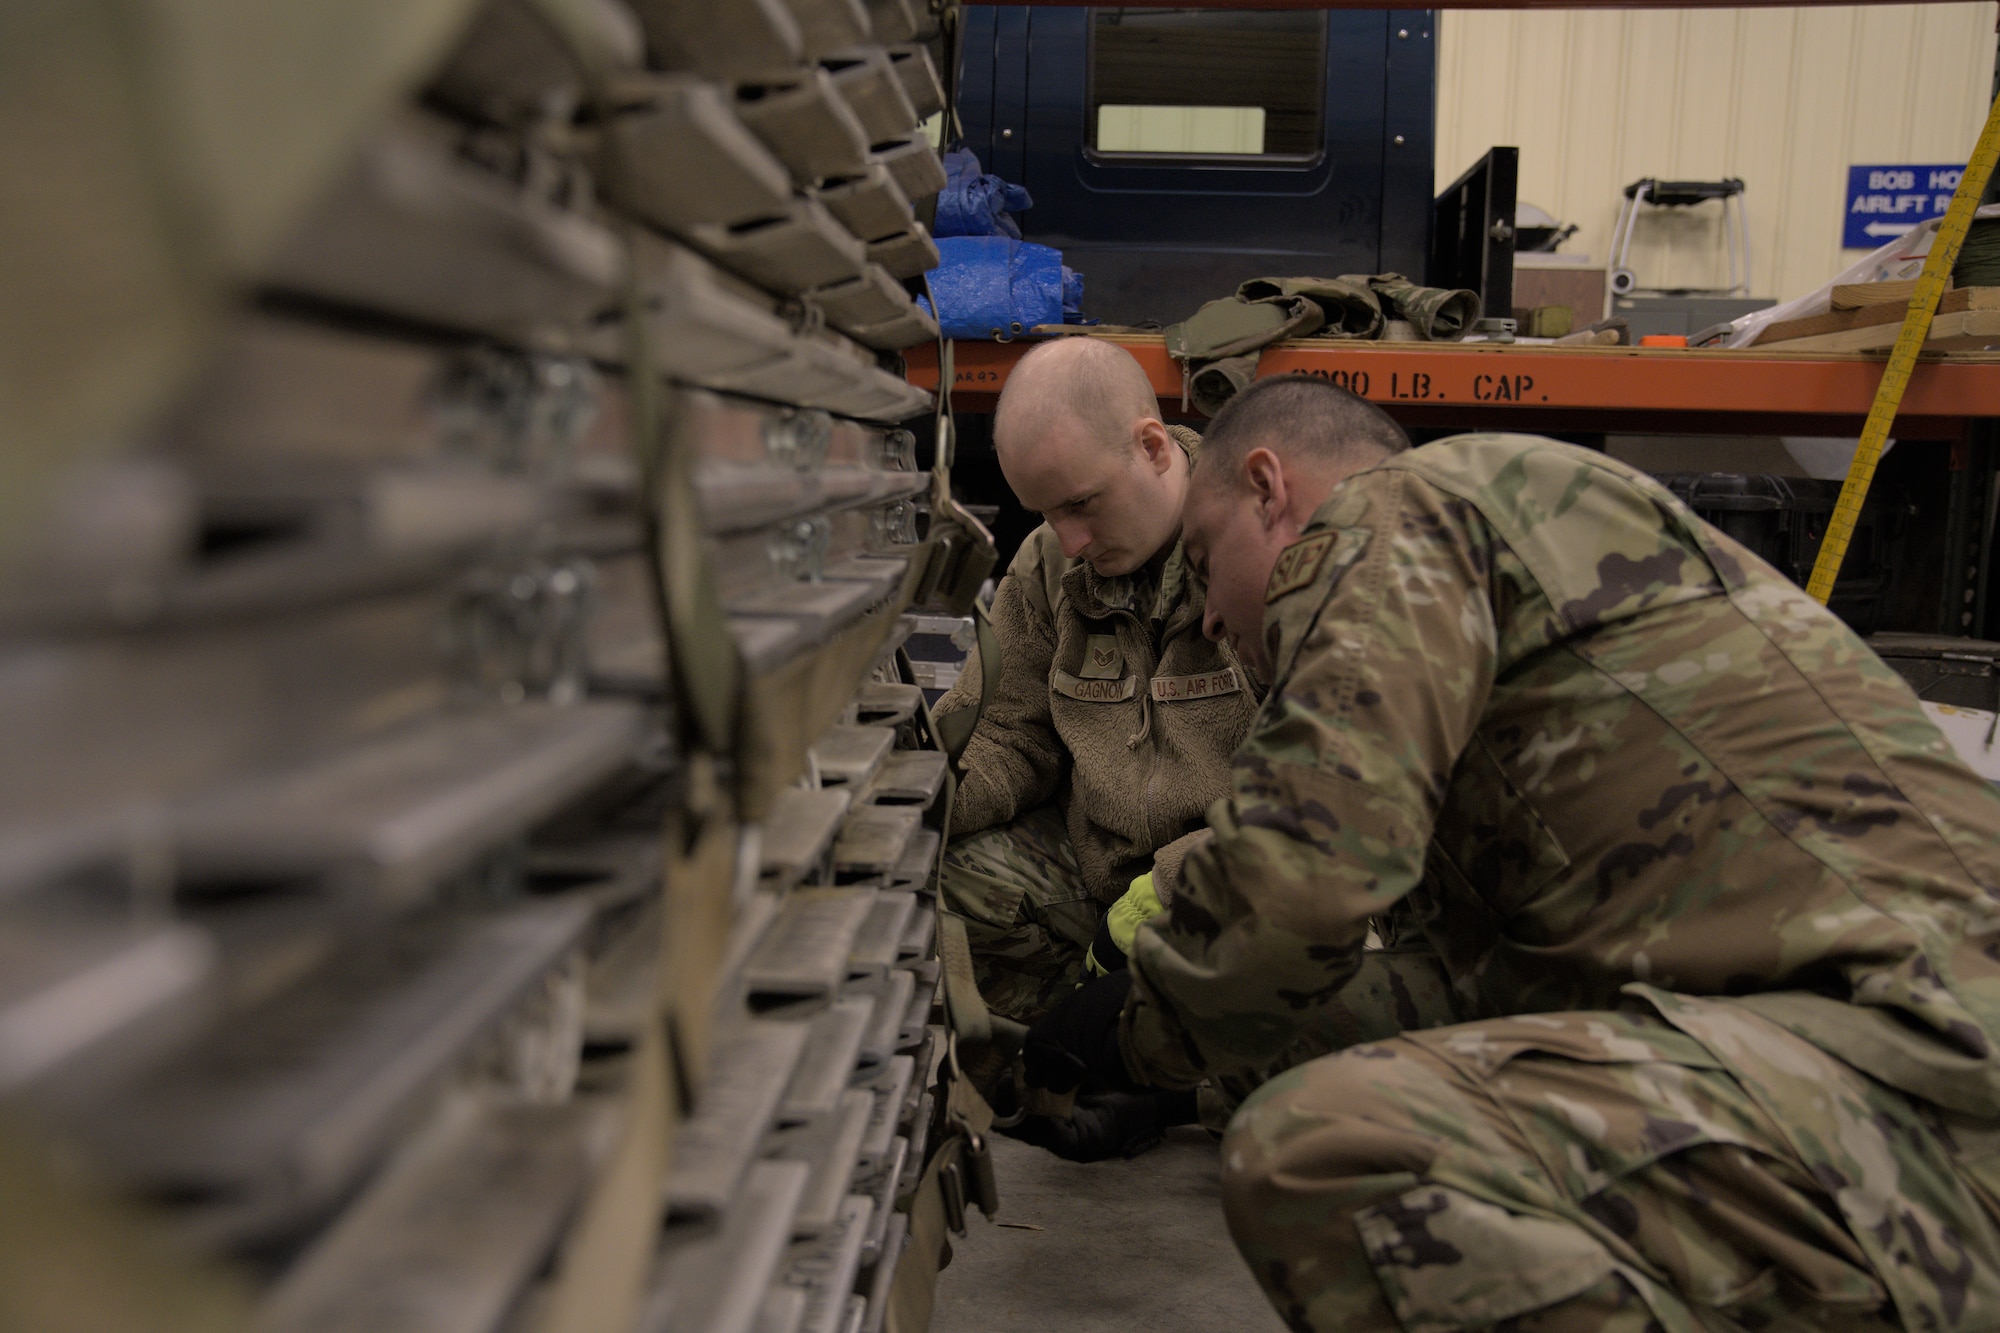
(1172, 153)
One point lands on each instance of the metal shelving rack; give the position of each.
(1500, 387)
(1950, 414)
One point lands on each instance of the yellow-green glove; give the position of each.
(1121, 925)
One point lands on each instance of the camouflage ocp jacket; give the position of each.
(1111, 704)
(1599, 747)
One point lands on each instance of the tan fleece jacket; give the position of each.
(1111, 704)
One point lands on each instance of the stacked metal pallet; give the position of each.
(464, 841)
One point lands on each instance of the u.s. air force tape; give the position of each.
(1208, 685)
(1165, 689)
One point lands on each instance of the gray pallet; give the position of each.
(284, 1108)
(454, 1232)
(824, 1268)
(916, 1019)
(80, 990)
(799, 830)
(890, 1088)
(891, 1253)
(833, 1046)
(918, 862)
(748, 1072)
(892, 994)
(880, 1183)
(804, 953)
(880, 942)
(909, 777)
(716, 1279)
(850, 756)
(875, 839)
(783, 1311)
(919, 939)
(829, 1145)
(413, 805)
(880, 705)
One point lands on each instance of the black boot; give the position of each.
(1109, 1124)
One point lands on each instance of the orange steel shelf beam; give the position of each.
(1458, 4)
(1582, 389)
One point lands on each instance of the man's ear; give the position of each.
(1265, 475)
(1150, 434)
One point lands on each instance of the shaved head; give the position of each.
(1272, 456)
(1313, 424)
(1073, 382)
(1079, 438)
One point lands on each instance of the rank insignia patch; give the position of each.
(1103, 659)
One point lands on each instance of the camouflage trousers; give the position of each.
(1028, 916)
(1030, 922)
(1610, 1171)
(1397, 989)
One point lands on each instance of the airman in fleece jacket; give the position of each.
(1107, 738)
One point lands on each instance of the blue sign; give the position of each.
(1885, 202)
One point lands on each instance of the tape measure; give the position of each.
(1903, 358)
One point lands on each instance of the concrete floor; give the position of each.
(1109, 1247)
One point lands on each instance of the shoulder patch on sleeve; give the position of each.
(1298, 565)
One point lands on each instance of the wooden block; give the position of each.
(1582, 290)
(1589, 338)
(1952, 332)
(1835, 321)
(1860, 295)
(1547, 321)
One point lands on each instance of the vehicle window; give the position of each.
(1207, 82)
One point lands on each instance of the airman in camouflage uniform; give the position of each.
(1109, 729)
(1719, 907)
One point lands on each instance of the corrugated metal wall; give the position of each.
(1785, 98)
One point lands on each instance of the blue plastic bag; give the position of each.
(976, 204)
(997, 287)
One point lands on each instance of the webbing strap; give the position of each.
(602, 1270)
(1903, 358)
(706, 668)
(953, 33)
(955, 728)
(580, 26)
(960, 1169)
(971, 1022)
(963, 1004)
(75, 1258)
(945, 426)
(964, 1008)
(962, 555)
(959, 1173)
(913, 1289)
(607, 1253)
